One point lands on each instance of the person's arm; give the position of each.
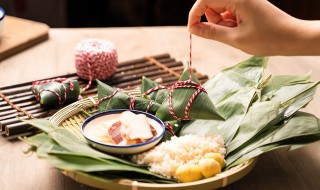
(255, 26)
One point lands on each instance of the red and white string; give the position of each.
(190, 56)
(95, 59)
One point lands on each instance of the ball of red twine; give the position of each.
(95, 59)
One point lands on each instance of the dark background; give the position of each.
(117, 13)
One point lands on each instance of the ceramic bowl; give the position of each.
(2, 14)
(94, 121)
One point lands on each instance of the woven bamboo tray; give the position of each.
(71, 118)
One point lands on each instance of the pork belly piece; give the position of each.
(115, 132)
(136, 126)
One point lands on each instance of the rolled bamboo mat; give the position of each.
(161, 68)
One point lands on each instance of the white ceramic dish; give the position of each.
(96, 120)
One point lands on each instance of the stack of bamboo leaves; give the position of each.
(259, 115)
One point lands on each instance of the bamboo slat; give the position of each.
(162, 68)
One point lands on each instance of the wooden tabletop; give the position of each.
(299, 169)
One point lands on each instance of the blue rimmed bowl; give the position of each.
(94, 122)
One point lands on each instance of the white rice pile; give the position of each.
(165, 158)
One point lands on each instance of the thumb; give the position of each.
(212, 31)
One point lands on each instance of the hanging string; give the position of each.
(190, 57)
(182, 84)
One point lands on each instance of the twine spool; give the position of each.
(95, 59)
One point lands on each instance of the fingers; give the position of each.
(213, 16)
(228, 16)
(213, 31)
(200, 7)
(228, 23)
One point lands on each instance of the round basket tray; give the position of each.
(71, 118)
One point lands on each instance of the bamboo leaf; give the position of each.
(256, 121)
(65, 159)
(270, 147)
(201, 108)
(35, 140)
(290, 132)
(233, 108)
(280, 81)
(80, 163)
(75, 160)
(299, 96)
(159, 95)
(70, 141)
(248, 73)
(42, 124)
(48, 98)
(232, 91)
(121, 100)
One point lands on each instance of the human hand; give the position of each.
(254, 26)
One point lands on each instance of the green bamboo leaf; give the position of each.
(56, 153)
(232, 90)
(233, 108)
(70, 141)
(280, 81)
(79, 163)
(303, 94)
(35, 140)
(201, 108)
(42, 124)
(270, 147)
(299, 126)
(121, 100)
(48, 98)
(255, 122)
(248, 73)
(300, 95)
(186, 75)
(88, 164)
(159, 95)
(43, 151)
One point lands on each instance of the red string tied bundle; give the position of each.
(184, 84)
(95, 59)
(62, 88)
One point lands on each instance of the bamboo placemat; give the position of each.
(161, 68)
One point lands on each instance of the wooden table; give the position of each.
(299, 169)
